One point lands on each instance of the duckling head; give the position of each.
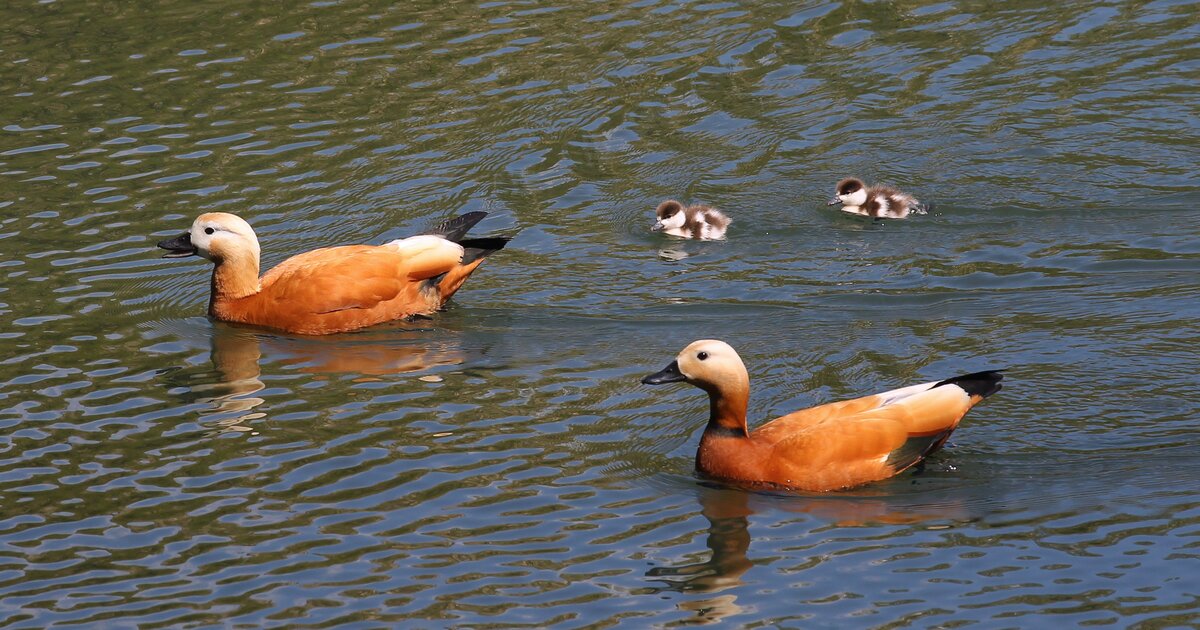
(217, 236)
(850, 191)
(709, 364)
(670, 216)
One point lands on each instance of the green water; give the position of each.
(500, 464)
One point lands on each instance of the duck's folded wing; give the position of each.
(355, 277)
(799, 420)
(896, 434)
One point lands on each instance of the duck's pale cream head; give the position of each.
(708, 364)
(669, 216)
(217, 236)
(850, 191)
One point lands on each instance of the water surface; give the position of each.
(500, 464)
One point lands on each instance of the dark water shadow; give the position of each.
(729, 509)
(988, 497)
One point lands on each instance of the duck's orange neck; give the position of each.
(234, 276)
(727, 407)
(726, 450)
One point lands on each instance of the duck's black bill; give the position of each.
(669, 374)
(178, 247)
(657, 227)
(833, 202)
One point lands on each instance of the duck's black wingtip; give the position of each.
(456, 228)
(476, 248)
(982, 384)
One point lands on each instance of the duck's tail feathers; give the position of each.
(476, 248)
(474, 251)
(455, 229)
(982, 384)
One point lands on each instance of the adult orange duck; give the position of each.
(334, 289)
(831, 447)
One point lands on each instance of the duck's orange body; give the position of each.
(337, 289)
(830, 447)
(334, 289)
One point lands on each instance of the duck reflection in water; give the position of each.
(237, 353)
(728, 510)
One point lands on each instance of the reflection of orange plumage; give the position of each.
(830, 447)
(236, 353)
(333, 289)
(728, 512)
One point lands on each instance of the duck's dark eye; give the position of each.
(702, 356)
(209, 230)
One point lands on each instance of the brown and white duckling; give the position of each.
(882, 202)
(694, 221)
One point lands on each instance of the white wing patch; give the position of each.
(896, 395)
(417, 245)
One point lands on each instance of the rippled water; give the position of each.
(500, 464)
